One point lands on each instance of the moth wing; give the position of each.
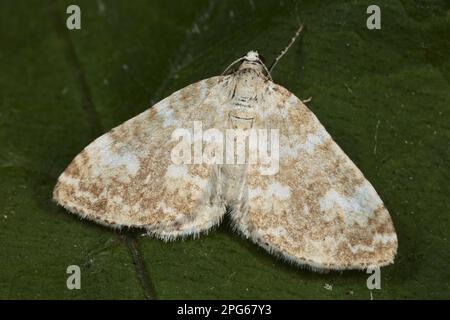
(318, 210)
(127, 177)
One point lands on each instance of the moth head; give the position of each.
(252, 56)
(252, 60)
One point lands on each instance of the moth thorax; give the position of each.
(255, 65)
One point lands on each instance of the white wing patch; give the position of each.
(276, 189)
(166, 114)
(356, 208)
(313, 140)
(122, 158)
(176, 171)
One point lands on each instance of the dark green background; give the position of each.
(384, 96)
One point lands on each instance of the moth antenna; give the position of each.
(232, 64)
(267, 70)
(285, 50)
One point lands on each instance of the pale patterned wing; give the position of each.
(318, 210)
(127, 177)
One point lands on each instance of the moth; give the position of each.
(316, 210)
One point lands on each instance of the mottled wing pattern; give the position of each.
(318, 210)
(126, 177)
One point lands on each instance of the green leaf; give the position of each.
(382, 94)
